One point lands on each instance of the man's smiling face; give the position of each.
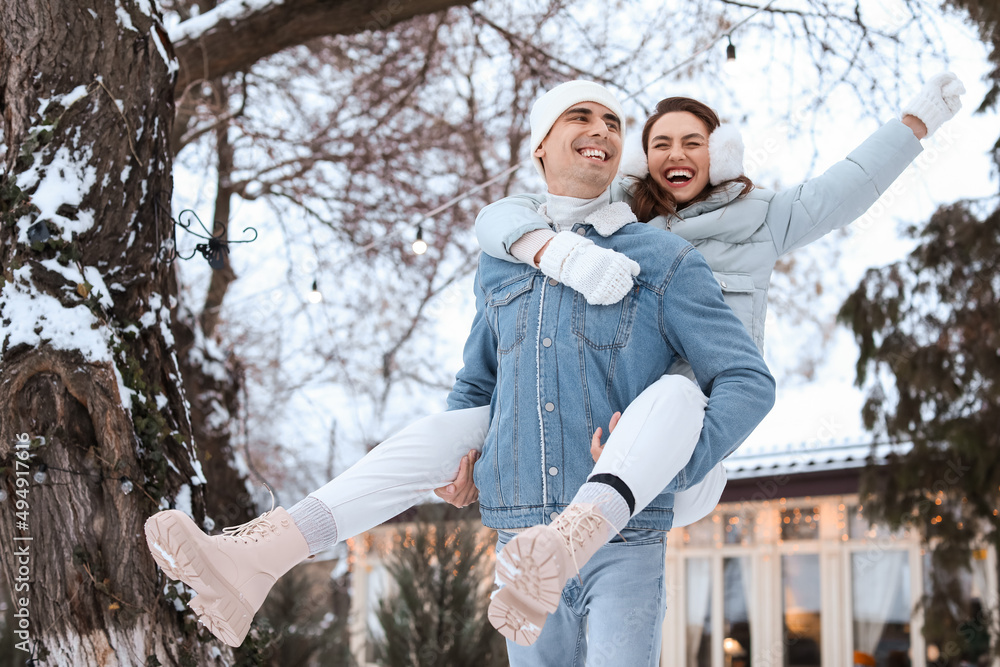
(582, 150)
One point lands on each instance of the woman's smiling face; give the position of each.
(678, 154)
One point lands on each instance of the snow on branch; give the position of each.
(238, 33)
(231, 10)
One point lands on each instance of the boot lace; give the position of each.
(581, 524)
(254, 528)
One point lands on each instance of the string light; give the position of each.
(41, 476)
(419, 245)
(38, 233)
(314, 296)
(731, 67)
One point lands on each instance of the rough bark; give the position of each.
(93, 593)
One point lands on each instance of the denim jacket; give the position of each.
(553, 368)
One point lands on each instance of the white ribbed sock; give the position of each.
(316, 523)
(608, 501)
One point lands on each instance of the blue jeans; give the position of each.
(615, 616)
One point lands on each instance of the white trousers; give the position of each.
(651, 443)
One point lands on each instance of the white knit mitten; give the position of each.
(601, 275)
(938, 101)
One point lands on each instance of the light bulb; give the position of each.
(3, 494)
(314, 296)
(41, 476)
(126, 485)
(420, 246)
(731, 66)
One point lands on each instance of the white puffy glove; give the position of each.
(938, 101)
(601, 275)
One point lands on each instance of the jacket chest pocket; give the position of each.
(737, 290)
(604, 327)
(508, 312)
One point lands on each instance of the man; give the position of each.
(554, 367)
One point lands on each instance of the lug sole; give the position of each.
(532, 583)
(172, 540)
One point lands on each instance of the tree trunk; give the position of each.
(221, 278)
(89, 379)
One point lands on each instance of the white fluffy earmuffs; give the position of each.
(633, 157)
(725, 155)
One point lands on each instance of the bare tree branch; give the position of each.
(226, 39)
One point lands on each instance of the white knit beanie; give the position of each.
(547, 109)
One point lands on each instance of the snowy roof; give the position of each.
(796, 458)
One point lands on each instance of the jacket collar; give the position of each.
(717, 199)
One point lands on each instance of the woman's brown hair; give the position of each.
(649, 198)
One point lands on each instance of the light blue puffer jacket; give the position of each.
(742, 239)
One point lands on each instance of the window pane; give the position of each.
(800, 590)
(737, 596)
(739, 527)
(701, 533)
(859, 529)
(881, 582)
(956, 599)
(800, 523)
(699, 612)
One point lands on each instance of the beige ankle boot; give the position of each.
(535, 565)
(233, 572)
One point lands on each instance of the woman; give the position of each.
(690, 181)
